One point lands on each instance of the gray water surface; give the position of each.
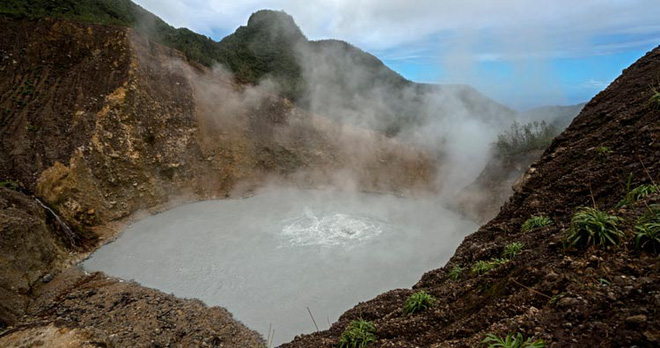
(269, 257)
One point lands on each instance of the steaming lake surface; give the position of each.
(267, 258)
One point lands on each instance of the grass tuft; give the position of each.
(638, 193)
(511, 341)
(535, 222)
(654, 101)
(591, 226)
(455, 272)
(604, 150)
(358, 334)
(481, 267)
(418, 302)
(511, 250)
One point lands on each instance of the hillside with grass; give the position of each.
(571, 260)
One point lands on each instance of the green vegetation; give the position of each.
(123, 13)
(274, 34)
(654, 101)
(592, 226)
(481, 267)
(418, 302)
(511, 250)
(358, 334)
(637, 193)
(648, 229)
(522, 138)
(511, 341)
(604, 150)
(455, 272)
(648, 235)
(12, 185)
(535, 222)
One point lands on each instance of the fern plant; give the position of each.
(511, 341)
(358, 334)
(591, 226)
(535, 222)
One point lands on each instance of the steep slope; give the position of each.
(482, 199)
(595, 296)
(98, 124)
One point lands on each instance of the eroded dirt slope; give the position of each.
(100, 124)
(481, 200)
(598, 297)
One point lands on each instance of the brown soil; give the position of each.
(546, 292)
(101, 125)
(481, 200)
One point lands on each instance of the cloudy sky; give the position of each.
(524, 53)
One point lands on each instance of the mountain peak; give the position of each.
(278, 22)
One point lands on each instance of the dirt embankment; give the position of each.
(99, 123)
(481, 200)
(594, 297)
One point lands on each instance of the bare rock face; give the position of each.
(32, 244)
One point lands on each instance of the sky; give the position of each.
(523, 53)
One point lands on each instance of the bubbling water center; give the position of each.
(269, 257)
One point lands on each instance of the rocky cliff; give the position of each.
(99, 123)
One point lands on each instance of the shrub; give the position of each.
(358, 334)
(418, 302)
(592, 226)
(482, 267)
(455, 272)
(535, 222)
(521, 138)
(511, 341)
(511, 250)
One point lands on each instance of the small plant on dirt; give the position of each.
(358, 334)
(482, 267)
(633, 195)
(511, 250)
(511, 341)
(535, 222)
(648, 236)
(12, 185)
(654, 101)
(418, 302)
(637, 193)
(592, 226)
(604, 150)
(455, 272)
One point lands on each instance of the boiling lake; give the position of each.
(269, 257)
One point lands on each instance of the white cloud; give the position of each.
(382, 24)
